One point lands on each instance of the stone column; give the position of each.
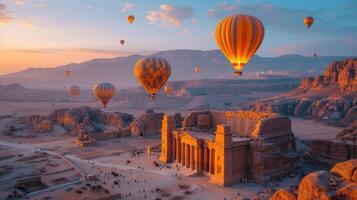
(178, 150)
(197, 158)
(187, 155)
(205, 158)
(174, 148)
(192, 157)
(183, 154)
(209, 161)
(212, 161)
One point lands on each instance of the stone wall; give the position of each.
(242, 123)
(148, 124)
(343, 147)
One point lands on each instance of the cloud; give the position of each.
(26, 24)
(40, 5)
(182, 32)
(19, 2)
(288, 20)
(127, 6)
(170, 16)
(5, 17)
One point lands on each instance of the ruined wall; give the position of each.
(109, 135)
(241, 122)
(148, 124)
(275, 130)
(331, 151)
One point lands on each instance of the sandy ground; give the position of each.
(140, 178)
(309, 129)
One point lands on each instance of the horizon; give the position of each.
(110, 54)
(29, 26)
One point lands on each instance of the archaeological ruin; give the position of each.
(231, 147)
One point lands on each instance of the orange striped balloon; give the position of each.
(152, 73)
(104, 92)
(74, 91)
(67, 73)
(239, 37)
(308, 21)
(168, 90)
(131, 19)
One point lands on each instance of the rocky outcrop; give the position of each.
(119, 120)
(283, 194)
(346, 170)
(342, 74)
(72, 118)
(330, 97)
(323, 185)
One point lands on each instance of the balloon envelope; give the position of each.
(131, 19)
(67, 73)
(74, 91)
(197, 69)
(239, 37)
(152, 73)
(122, 42)
(104, 92)
(168, 90)
(308, 21)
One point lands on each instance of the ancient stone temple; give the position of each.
(231, 147)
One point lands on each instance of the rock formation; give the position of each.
(340, 183)
(330, 97)
(342, 74)
(283, 194)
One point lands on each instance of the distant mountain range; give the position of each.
(213, 65)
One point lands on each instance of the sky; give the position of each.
(46, 33)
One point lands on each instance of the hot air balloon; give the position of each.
(308, 21)
(314, 55)
(197, 69)
(168, 90)
(239, 37)
(122, 42)
(67, 73)
(152, 73)
(131, 19)
(74, 91)
(104, 92)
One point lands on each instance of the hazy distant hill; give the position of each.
(213, 64)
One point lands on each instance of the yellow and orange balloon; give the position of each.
(104, 92)
(308, 21)
(239, 37)
(197, 69)
(67, 73)
(74, 91)
(131, 19)
(152, 73)
(168, 89)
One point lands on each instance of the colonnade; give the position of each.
(192, 156)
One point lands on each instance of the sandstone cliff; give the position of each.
(339, 183)
(330, 97)
(342, 74)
